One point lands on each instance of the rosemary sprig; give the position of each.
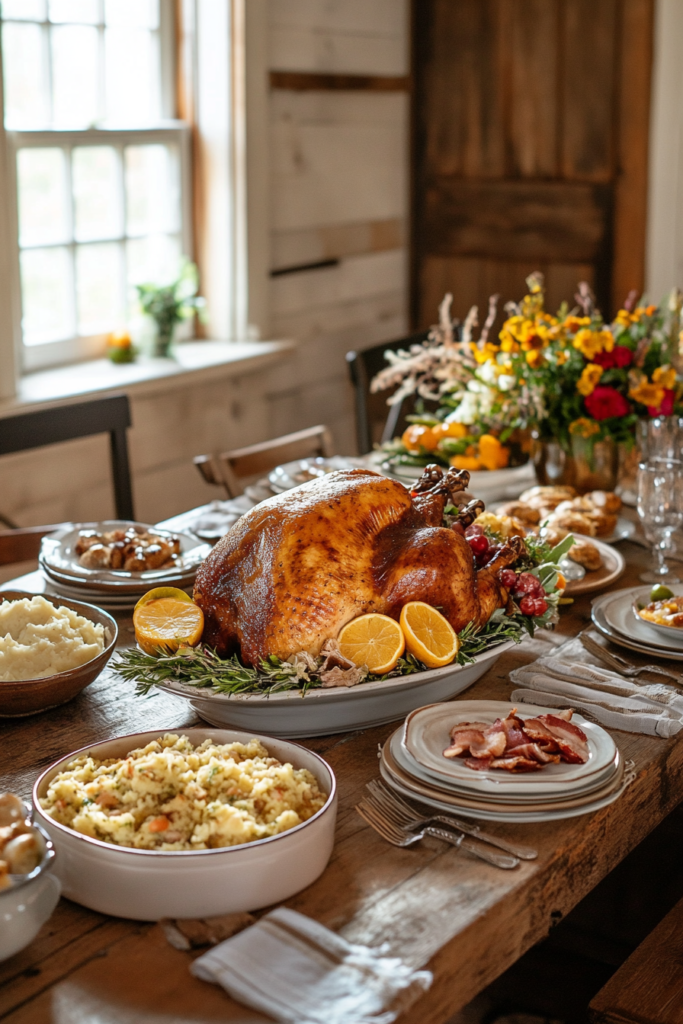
(203, 668)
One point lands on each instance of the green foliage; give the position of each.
(169, 304)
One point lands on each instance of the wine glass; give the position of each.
(660, 507)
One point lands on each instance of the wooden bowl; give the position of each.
(30, 696)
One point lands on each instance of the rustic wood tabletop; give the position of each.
(435, 906)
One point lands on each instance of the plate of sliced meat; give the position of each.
(488, 746)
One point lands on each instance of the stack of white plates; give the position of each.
(615, 615)
(412, 763)
(113, 590)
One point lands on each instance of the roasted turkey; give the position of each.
(295, 569)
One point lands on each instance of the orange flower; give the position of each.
(665, 377)
(535, 359)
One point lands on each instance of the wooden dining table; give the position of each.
(434, 906)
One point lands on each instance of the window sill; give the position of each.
(194, 362)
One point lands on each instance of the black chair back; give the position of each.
(375, 420)
(109, 415)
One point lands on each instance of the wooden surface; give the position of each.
(433, 905)
(306, 80)
(519, 100)
(648, 987)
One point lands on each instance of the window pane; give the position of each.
(26, 92)
(132, 76)
(153, 260)
(27, 10)
(98, 288)
(132, 13)
(41, 178)
(82, 11)
(45, 291)
(152, 189)
(97, 205)
(74, 74)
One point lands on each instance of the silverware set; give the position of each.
(399, 823)
(621, 665)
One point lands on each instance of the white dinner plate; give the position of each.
(492, 793)
(293, 474)
(57, 552)
(426, 736)
(628, 640)
(518, 818)
(624, 530)
(621, 618)
(613, 566)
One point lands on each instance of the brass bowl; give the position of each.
(30, 696)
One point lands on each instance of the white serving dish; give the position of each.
(301, 471)
(672, 634)
(322, 712)
(26, 907)
(146, 885)
(617, 611)
(490, 485)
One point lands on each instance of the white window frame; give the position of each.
(167, 131)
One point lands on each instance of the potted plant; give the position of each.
(168, 305)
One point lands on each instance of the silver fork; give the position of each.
(370, 813)
(405, 816)
(621, 665)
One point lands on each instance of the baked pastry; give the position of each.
(547, 497)
(604, 524)
(585, 554)
(572, 521)
(520, 510)
(606, 501)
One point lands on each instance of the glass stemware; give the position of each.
(660, 507)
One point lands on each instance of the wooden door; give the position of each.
(530, 127)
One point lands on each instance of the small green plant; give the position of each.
(169, 304)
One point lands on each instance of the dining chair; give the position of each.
(65, 423)
(375, 420)
(229, 469)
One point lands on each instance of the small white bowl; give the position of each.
(27, 905)
(146, 885)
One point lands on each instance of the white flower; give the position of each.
(467, 411)
(506, 382)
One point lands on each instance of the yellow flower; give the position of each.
(508, 342)
(561, 357)
(592, 343)
(534, 358)
(486, 353)
(584, 427)
(665, 376)
(589, 378)
(574, 323)
(651, 395)
(624, 318)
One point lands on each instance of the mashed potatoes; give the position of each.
(37, 639)
(170, 795)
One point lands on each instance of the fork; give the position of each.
(405, 817)
(370, 813)
(621, 665)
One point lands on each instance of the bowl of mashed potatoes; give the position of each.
(50, 649)
(191, 824)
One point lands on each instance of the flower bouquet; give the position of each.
(483, 404)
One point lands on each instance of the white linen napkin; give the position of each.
(298, 971)
(570, 676)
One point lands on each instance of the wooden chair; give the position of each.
(50, 426)
(648, 987)
(229, 468)
(375, 420)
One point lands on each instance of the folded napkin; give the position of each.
(570, 676)
(296, 970)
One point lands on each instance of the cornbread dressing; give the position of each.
(170, 795)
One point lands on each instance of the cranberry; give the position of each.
(528, 584)
(474, 531)
(508, 577)
(527, 606)
(541, 607)
(479, 544)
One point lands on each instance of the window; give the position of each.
(100, 166)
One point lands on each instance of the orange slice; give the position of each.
(168, 618)
(373, 640)
(429, 636)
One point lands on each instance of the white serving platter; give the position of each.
(323, 712)
(618, 605)
(301, 471)
(672, 635)
(426, 734)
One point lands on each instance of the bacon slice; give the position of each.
(463, 740)
(480, 739)
(571, 741)
(510, 764)
(535, 752)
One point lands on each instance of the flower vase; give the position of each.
(587, 467)
(163, 339)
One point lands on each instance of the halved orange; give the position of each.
(168, 618)
(373, 640)
(429, 636)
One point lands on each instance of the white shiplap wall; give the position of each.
(338, 188)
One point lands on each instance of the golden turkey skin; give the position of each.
(295, 569)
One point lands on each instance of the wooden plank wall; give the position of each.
(339, 196)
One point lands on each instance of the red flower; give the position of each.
(620, 357)
(606, 403)
(667, 406)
